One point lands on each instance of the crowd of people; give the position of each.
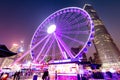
(26, 74)
(86, 76)
(100, 75)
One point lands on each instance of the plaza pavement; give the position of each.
(29, 78)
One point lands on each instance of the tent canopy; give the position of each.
(5, 52)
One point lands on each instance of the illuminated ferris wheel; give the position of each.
(62, 35)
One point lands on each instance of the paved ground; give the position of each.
(27, 78)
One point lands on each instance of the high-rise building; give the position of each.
(104, 45)
(96, 58)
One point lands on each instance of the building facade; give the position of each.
(105, 47)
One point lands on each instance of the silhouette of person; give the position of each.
(45, 75)
(1, 75)
(55, 75)
(16, 76)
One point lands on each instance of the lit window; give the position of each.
(97, 22)
(93, 10)
(97, 42)
(97, 29)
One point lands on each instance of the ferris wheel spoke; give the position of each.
(64, 55)
(66, 17)
(30, 50)
(42, 48)
(53, 51)
(78, 41)
(78, 17)
(64, 23)
(72, 17)
(75, 17)
(42, 30)
(76, 25)
(81, 24)
(57, 19)
(61, 17)
(47, 51)
(40, 41)
(39, 36)
(65, 47)
(75, 32)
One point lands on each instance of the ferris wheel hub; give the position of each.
(51, 29)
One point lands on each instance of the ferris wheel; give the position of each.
(64, 34)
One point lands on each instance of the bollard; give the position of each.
(35, 77)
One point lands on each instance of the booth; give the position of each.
(65, 69)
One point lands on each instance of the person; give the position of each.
(45, 75)
(16, 76)
(1, 75)
(55, 75)
(109, 74)
(78, 76)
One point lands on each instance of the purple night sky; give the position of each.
(20, 18)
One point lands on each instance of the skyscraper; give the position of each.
(104, 45)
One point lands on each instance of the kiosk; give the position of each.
(65, 69)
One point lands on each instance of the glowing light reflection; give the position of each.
(51, 29)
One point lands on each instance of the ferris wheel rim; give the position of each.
(90, 20)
